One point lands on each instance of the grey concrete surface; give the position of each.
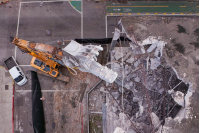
(65, 23)
(6, 93)
(61, 18)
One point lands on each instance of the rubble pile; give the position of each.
(151, 89)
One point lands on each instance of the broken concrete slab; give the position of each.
(179, 98)
(131, 59)
(136, 63)
(118, 130)
(102, 89)
(155, 120)
(114, 109)
(137, 79)
(115, 94)
(155, 62)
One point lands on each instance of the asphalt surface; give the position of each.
(64, 21)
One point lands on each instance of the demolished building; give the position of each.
(148, 94)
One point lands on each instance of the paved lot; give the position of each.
(60, 17)
(6, 93)
(64, 22)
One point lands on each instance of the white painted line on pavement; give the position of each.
(15, 51)
(17, 28)
(18, 19)
(82, 19)
(48, 91)
(24, 65)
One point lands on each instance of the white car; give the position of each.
(15, 71)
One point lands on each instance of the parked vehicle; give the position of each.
(15, 71)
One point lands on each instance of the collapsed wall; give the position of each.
(153, 90)
(146, 90)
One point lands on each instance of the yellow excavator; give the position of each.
(45, 57)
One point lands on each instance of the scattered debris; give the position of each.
(155, 120)
(146, 91)
(154, 63)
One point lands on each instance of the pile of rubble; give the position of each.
(147, 90)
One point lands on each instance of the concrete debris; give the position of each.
(131, 59)
(159, 70)
(136, 64)
(185, 112)
(122, 116)
(130, 131)
(128, 108)
(155, 120)
(118, 130)
(154, 63)
(179, 98)
(134, 75)
(152, 47)
(137, 79)
(136, 99)
(155, 43)
(159, 49)
(115, 94)
(146, 75)
(118, 55)
(84, 58)
(114, 109)
(116, 66)
(102, 89)
(127, 86)
(127, 55)
(170, 91)
(161, 90)
(115, 103)
(127, 69)
(141, 109)
(115, 38)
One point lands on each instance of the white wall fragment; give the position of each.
(155, 43)
(131, 59)
(141, 109)
(155, 120)
(155, 62)
(179, 98)
(152, 47)
(118, 130)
